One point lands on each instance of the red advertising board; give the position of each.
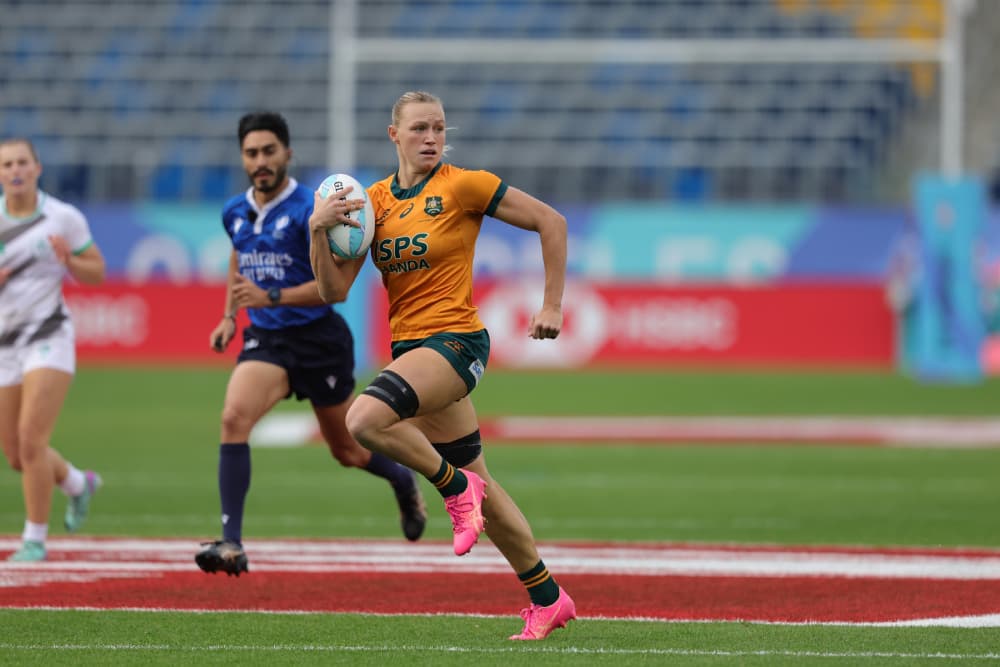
(629, 324)
(643, 324)
(159, 323)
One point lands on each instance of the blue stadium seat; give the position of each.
(158, 74)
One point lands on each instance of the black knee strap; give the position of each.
(461, 452)
(394, 391)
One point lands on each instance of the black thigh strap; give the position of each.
(394, 391)
(461, 452)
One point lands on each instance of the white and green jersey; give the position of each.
(31, 301)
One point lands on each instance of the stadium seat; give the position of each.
(158, 75)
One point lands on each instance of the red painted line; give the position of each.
(771, 599)
(628, 581)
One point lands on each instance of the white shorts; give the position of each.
(57, 350)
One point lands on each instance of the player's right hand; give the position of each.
(222, 334)
(332, 211)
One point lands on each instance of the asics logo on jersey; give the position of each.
(406, 212)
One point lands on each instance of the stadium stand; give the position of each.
(139, 98)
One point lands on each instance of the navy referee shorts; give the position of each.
(318, 357)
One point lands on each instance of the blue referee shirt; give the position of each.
(272, 248)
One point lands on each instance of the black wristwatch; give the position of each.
(274, 294)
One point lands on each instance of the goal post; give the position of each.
(350, 50)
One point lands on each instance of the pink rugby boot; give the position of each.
(540, 621)
(466, 511)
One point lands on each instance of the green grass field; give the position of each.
(153, 433)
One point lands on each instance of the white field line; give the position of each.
(919, 431)
(971, 621)
(150, 556)
(292, 429)
(534, 649)
(980, 621)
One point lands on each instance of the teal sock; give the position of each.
(449, 480)
(542, 588)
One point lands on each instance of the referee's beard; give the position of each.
(267, 185)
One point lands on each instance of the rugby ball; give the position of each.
(347, 241)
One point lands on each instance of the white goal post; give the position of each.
(349, 50)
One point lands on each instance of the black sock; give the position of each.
(234, 482)
(542, 588)
(398, 475)
(449, 480)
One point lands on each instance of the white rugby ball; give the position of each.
(347, 241)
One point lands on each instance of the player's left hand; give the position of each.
(546, 323)
(60, 248)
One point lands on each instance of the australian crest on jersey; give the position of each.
(433, 205)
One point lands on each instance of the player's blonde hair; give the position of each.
(416, 96)
(412, 97)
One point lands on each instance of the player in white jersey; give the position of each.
(42, 240)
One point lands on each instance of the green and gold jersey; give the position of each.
(424, 246)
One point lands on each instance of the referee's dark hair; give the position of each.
(264, 120)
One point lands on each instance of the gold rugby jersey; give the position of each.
(424, 246)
